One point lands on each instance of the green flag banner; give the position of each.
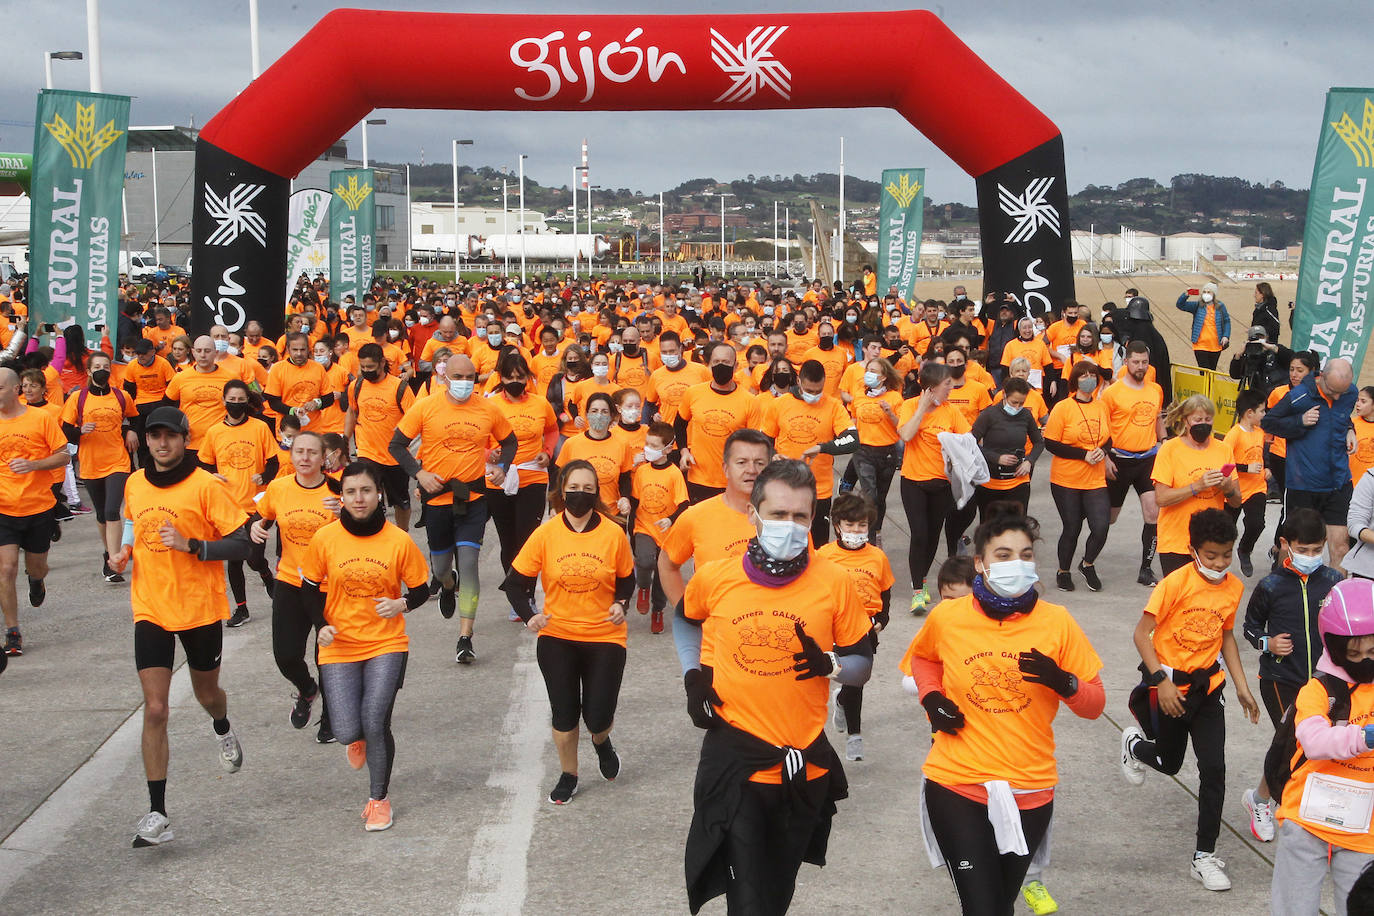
(79, 139)
(352, 233)
(1334, 277)
(16, 168)
(899, 238)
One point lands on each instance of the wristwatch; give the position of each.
(1155, 678)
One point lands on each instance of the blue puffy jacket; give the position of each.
(1283, 602)
(1317, 458)
(1199, 310)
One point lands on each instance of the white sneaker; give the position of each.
(154, 829)
(1211, 872)
(1132, 770)
(838, 718)
(1261, 816)
(854, 747)
(230, 751)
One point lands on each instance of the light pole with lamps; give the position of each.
(523, 157)
(456, 144)
(366, 121)
(722, 195)
(49, 57)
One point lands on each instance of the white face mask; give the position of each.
(671, 360)
(424, 319)
(1211, 575)
(323, 361)
(652, 454)
(853, 539)
(781, 539)
(601, 370)
(871, 379)
(810, 398)
(629, 415)
(461, 388)
(1305, 564)
(1011, 578)
(221, 346)
(1206, 297)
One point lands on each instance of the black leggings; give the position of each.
(1206, 359)
(583, 681)
(851, 700)
(1074, 506)
(820, 523)
(927, 502)
(1207, 728)
(291, 629)
(958, 522)
(987, 881)
(646, 568)
(257, 561)
(1253, 511)
(107, 495)
(1168, 562)
(767, 840)
(1019, 494)
(516, 516)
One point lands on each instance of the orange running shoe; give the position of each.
(357, 754)
(377, 814)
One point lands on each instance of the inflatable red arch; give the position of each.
(247, 154)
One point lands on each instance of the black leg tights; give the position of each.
(1076, 506)
(926, 502)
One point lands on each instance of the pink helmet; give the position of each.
(1348, 609)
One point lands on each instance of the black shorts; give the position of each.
(33, 533)
(397, 485)
(107, 495)
(582, 679)
(1131, 472)
(155, 647)
(445, 530)
(1334, 505)
(1278, 697)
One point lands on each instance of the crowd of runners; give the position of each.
(615, 433)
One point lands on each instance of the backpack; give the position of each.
(400, 393)
(1283, 758)
(81, 404)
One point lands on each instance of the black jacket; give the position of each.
(1283, 603)
(1266, 315)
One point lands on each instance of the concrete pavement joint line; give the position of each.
(497, 867)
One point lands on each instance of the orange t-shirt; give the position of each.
(1084, 426)
(296, 385)
(751, 629)
(1133, 415)
(1033, 350)
(1190, 615)
(238, 453)
(659, 490)
(799, 344)
(299, 512)
(357, 337)
(544, 368)
(970, 398)
(1313, 700)
(201, 397)
(1008, 731)
(378, 416)
(610, 456)
(1278, 445)
(868, 568)
(1061, 334)
(355, 572)
(532, 418)
(634, 371)
(709, 530)
(35, 434)
(459, 344)
(872, 422)
(1247, 448)
(923, 459)
(1362, 459)
(711, 418)
(1207, 340)
(835, 360)
(162, 340)
(578, 570)
(794, 426)
(1177, 465)
(172, 588)
(101, 452)
(150, 382)
(454, 438)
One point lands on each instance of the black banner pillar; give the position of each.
(238, 231)
(1023, 217)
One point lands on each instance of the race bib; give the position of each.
(1337, 803)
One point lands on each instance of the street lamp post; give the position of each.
(839, 258)
(775, 239)
(366, 121)
(49, 57)
(723, 195)
(523, 157)
(787, 237)
(456, 144)
(254, 46)
(574, 218)
(662, 239)
(157, 227)
(505, 229)
(93, 45)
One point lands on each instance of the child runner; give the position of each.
(1186, 624)
(660, 494)
(1281, 622)
(1246, 441)
(852, 514)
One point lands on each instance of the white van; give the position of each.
(139, 265)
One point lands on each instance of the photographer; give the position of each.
(1260, 365)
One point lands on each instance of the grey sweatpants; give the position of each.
(1300, 867)
(360, 697)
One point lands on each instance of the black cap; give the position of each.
(168, 418)
(143, 346)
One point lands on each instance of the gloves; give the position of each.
(943, 713)
(1039, 668)
(811, 661)
(1368, 733)
(701, 698)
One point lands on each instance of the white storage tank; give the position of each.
(1225, 243)
(1181, 246)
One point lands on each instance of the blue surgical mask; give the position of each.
(1305, 564)
(1012, 578)
(810, 398)
(494, 338)
(670, 360)
(781, 539)
(461, 388)
(1010, 410)
(221, 346)
(871, 379)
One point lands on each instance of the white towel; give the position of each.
(1005, 818)
(512, 484)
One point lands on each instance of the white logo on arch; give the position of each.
(751, 65)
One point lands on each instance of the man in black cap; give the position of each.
(180, 525)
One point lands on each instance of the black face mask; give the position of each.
(515, 389)
(579, 502)
(783, 380)
(237, 410)
(1200, 432)
(631, 349)
(1361, 671)
(721, 373)
(373, 375)
(101, 378)
(827, 342)
(957, 372)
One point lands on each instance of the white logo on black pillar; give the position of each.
(1030, 210)
(234, 216)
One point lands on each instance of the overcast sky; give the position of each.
(1138, 89)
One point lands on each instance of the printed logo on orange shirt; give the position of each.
(764, 642)
(1144, 413)
(717, 422)
(238, 456)
(362, 577)
(997, 684)
(1199, 630)
(577, 572)
(459, 435)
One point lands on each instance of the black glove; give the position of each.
(811, 661)
(943, 713)
(1039, 668)
(701, 698)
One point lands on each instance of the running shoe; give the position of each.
(153, 829)
(1132, 770)
(230, 751)
(920, 602)
(377, 814)
(1147, 577)
(607, 759)
(1038, 898)
(448, 601)
(14, 643)
(111, 576)
(326, 734)
(239, 617)
(838, 717)
(965, 546)
(57, 532)
(1247, 566)
(464, 654)
(62, 513)
(1064, 581)
(565, 790)
(38, 592)
(854, 747)
(514, 617)
(656, 621)
(79, 509)
(1261, 816)
(1210, 870)
(300, 710)
(357, 754)
(1090, 577)
(642, 600)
